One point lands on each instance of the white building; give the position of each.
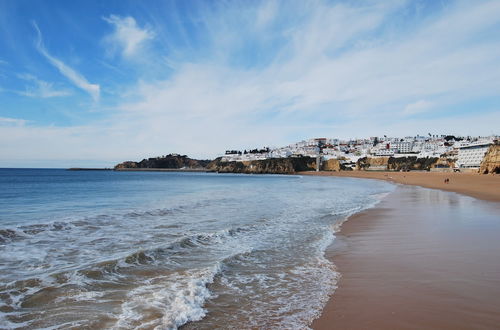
(385, 152)
(472, 155)
(403, 147)
(280, 153)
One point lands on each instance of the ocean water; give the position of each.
(122, 250)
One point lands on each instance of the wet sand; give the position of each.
(485, 187)
(422, 259)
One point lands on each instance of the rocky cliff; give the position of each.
(396, 164)
(331, 165)
(445, 162)
(366, 163)
(491, 161)
(170, 161)
(334, 165)
(267, 166)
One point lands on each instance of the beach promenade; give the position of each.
(422, 258)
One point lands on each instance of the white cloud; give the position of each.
(127, 36)
(335, 77)
(41, 88)
(4, 121)
(266, 13)
(417, 107)
(322, 87)
(76, 78)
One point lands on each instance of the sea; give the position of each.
(163, 250)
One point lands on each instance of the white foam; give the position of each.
(81, 296)
(178, 298)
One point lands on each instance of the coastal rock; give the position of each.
(267, 166)
(334, 165)
(491, 161)
(372, 163)
(411, 163)
(444, 162)
(331, 165)
(171, 161)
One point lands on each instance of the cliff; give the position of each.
(411, 163)
(331, 165)
(267, 166)
(334, 165)
(396, 164)
(170, 161)
(371, 163)
(445, 162)
(491, 161)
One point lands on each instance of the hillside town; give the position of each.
(463, 152)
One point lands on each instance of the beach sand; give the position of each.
(486, 187)
(422, 258)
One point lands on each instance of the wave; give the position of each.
(15, 293)
(180, 298)
(9, 235)
(179, 302)
(26, 231)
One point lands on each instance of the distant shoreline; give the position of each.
(139, 169)
(486, 187)
(89, 169)
(161, 170)
(481, 186)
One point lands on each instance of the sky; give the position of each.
(93, 83)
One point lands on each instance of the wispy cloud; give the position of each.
(266, 13)
(247, 74)
(127, 37)
(417, 107)
(333, 77)
(76, 78)
(4, 121)
(41, 88)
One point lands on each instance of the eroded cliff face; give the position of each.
(445, 162)
(411, 163)
(366, 162)
(169, 161)
(491, 161)
(396, 164)
(267, 166)
(331, 165)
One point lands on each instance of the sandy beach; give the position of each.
(422, 258)
(486, 187)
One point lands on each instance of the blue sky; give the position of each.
(93, 83)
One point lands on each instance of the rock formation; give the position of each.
(371, 163)
(267, 166)
(170, 161)
(491, 161)
(411, 163)
(331, 165)
(444, 162)
(396, 164)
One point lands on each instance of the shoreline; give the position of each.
(403, 263)
(139, 169)
(481, 186)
